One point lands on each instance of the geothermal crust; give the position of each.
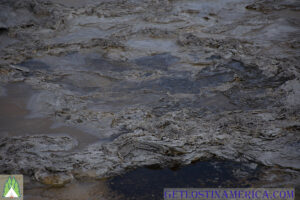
(165, 82)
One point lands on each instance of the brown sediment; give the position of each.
(15, 118)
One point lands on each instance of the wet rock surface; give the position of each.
(160, 83)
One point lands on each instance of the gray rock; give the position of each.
(200, 80)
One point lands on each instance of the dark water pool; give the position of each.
(147, 183)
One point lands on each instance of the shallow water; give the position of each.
(145, 183)
(148, 183)
(15, 120)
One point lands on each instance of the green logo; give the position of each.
(11, 188)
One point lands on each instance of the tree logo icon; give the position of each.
(11, 188)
